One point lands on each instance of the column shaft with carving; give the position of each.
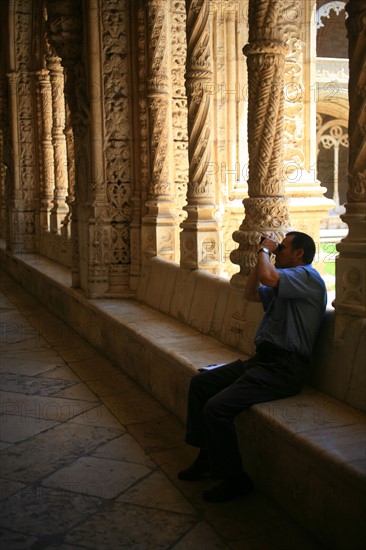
(351, 263)
(65, 34)
(23, 202)
(266, 208)
(46, 153)
(199, 238)
(158, 231)
(60, 208)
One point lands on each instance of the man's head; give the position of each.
(296, 249)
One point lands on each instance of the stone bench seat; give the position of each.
(307, 452)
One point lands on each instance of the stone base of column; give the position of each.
(351, 264)
(158, 232)
(199, 248)
(22, 238)
(57, 217)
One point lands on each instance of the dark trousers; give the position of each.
(217, 396)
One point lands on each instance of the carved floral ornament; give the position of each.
(266, 213)
(357, 187)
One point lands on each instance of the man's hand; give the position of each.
(268, 242)
(267, 273)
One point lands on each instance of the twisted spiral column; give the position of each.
(199, 238)
(266, 208)
(158, 225)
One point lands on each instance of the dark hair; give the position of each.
(304, 241)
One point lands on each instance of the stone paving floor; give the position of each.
(89, 459)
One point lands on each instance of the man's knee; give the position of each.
(197, 382)
(212, 408)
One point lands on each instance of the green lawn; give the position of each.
(329, 253)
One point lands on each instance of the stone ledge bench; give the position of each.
(307, 452)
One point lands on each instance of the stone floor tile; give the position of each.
(4, 445)
(64, 372)
(16, 333)
(135, 407)
(21, 383)
(125, 449)
(40, 511)
(22, 365)
(49, 408)
(72, 354)
(77, 391)
(16, 541)
(64, 547)
(131, 527)
(30, 362)
(114, 385)
(91, 367)
(45, 453)
(15, 428)
(26, 347)
(8, 487)
(157, 434)
(201, 536)
(285, 537)
(157, 491)
(99, 477)
(244, 518)
(99, 416)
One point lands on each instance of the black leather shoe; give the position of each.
(229, 489)
(198, 470)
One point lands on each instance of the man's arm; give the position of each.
(267, 273)
(251, 289)
(263, 273)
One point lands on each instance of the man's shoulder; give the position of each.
(301, 274)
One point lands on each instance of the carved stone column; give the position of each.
(266, 207)
(65, 34)
(46, 153)
(4, 138)
(23, 170)
(60, 208)
(350, 299)
(199, 242)
(158, 225)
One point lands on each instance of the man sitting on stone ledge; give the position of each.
(294, 296)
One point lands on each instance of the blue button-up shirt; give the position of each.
(294, 310)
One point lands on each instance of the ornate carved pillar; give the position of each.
(180, 111)
(22, 207)
(158, 225)
(4, 138)
(350, 299)
(67, 224)
(113, 143)
(266, 208)
(199, 240)
(65, 34)
(60, 208)
(46, 151)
